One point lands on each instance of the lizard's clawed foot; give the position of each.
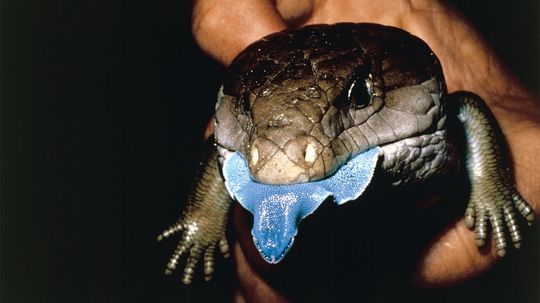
(194, 243)
(498, 206)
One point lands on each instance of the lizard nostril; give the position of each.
(310, 154)
(254, 155)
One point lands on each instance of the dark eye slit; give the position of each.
(358, 93)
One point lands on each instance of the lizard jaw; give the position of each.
(278, 209)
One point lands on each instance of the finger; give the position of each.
(512, 224)
(480, 229)
(209, 263)
(209, 128)
(178, 252)
(525, 210)
(191, 263)
(223, 28)
(497, 228)
(169, 231)
(451, 258)
(224, 247)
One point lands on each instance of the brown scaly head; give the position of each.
(298, 104)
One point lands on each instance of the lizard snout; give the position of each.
(299, 160)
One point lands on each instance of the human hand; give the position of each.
(223, 28)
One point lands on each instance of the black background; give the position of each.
(103, 109)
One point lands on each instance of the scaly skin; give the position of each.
(203, 222)
(335, 90)
(493, 196)
(299, 103)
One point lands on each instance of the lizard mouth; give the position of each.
(278, 209)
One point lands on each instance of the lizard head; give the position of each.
(289, 110)
(300, 104)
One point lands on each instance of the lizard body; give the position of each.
(303, 110)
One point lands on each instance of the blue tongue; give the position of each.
(278, 209)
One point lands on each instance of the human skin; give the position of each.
(223, 28)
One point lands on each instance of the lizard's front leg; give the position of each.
(203, 222)
(493, 195)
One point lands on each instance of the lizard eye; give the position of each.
(360, 93)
